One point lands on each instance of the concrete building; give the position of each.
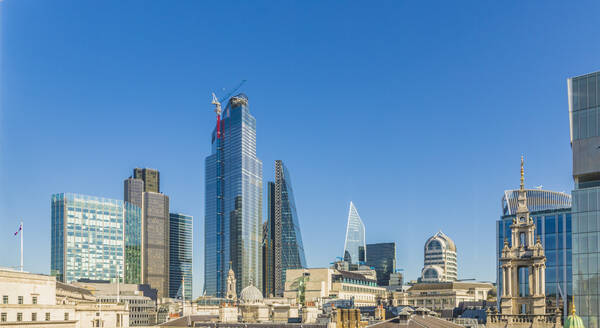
(233, 200)
(94, 238)
(180, 255)
(34, 300)
(440, 259)
(382, 257)
(584, 107)
(154, 227)
(140, 299)
(322, 284)
(440, 296)
(282, 239)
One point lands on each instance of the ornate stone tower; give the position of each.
(231, 293)
(523, 264)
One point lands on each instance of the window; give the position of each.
(34, 300)
(522, 240)
(33, 316)
(20, 300)
(66, 316)
(523, 281)
(19, 316)
(5, 299)
(47, 316)
(3, 317)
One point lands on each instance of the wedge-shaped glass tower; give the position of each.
(354, 248)
(283, 240)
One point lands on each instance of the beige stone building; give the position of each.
(442, 295)
(326, 283)
(35, 300)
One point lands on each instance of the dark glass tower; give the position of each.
(382, 257)
(283, 240)
(151, 178)
(233, 202)
(180, 256)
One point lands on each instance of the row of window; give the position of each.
(34, 316)
(20, 299)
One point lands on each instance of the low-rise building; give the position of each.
(36, 300)
(442, 295)
(320, 284)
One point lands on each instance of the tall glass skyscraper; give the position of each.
(233, 202)
(382, 257)
(584, 117)
(180, 255)
(551, 213)
(283, 240)
(355, 246)
(94, 238)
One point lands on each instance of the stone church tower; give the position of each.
(231, 293)
(523, 264)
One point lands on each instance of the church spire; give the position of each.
(522, 175)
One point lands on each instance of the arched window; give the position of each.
(434, 245)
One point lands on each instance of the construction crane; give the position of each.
(217, 102)
(225, 97)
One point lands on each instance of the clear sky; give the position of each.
(418, 112)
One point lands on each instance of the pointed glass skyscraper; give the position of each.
(354, 248)
(283, 240)
(233, 201)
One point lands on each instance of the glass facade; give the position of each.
(283, 240)
(355, 247)
(553, 227)
(382, 257)
(233, 202)
(584, 116)
(180, 255)
(94, 238)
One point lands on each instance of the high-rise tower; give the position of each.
(355, 246)
(584, 114)
(440, 259)
(283, 241)
(154, 227)
(233, 201)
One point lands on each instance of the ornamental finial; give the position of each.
(522, 175)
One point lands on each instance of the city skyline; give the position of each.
(453, 122)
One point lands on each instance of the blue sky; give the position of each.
(417, 112)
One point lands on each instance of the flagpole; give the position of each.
(21, 246)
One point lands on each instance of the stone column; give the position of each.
(504, 287)
(509, 283)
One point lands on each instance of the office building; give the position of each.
(382, 257)
(154, 227)
(283, 240)
(328, 283)
(439, 296)
(233, 201)
(552, 219)
(583, 95)
(151, 178)
(440, 259)
(180, 256)
(35, 300)
(355, 246)
(94, 238)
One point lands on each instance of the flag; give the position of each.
(20, 228)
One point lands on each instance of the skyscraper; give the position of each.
(233, 201)
(151, 178)
(180, 255)
(154, 227)
(382, 257)
(440, 259)
(94, 238)
(584, 108)
(354, 246)
(283, 240)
